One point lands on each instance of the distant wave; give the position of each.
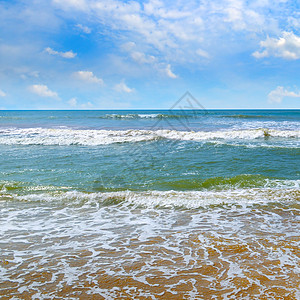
(42, 136)
(227, 183)
(184, 115)
(242, 181)
(247, 116)
(11, 118)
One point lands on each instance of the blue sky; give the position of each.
(91, 54)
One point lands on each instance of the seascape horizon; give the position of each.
(149, 149)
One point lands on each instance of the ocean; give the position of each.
(150, 204)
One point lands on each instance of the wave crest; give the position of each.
(166, 199)
(238, 190)
(152, 116)
(42, 136)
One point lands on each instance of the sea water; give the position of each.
(162, 204)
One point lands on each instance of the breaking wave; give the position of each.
(166, 199)
(235, 193)
(41, 136)
(184, 115)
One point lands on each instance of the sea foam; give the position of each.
(164, 199)
(42, 136)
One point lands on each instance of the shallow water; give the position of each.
(149, 205)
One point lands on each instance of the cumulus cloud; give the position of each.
(138, 56)
(83, 28)
(277, 95)
(2, 94)
(169, 72)
(68, 54)
(122, 87)
(88, 76)
(42, 90)
(73, 102)
(287, 46)
(243, 16)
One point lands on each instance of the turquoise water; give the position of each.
(65, 148)
(93, 184)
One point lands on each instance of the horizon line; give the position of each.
(126, 109)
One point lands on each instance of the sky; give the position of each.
(110, 54)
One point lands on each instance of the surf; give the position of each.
(46, 136)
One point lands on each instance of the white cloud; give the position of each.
(122, 87)
(42, 90)
(294, 22)
(2, 94)
(287, 46)
(202, 53)
(277, 95)
(68, 54)
(138, 56)
(88, 76)
(155, 23)
(128, 46)
(152, 61)
(83, 28)
(142, 58)
(27, 75)
(77, 4)
(172, 31)
(72, 102)
(156, 8)
(169, 72)
(87, 105)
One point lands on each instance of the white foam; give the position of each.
(146, 116)
(171, 199)
(151, 246)
(42, 136)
